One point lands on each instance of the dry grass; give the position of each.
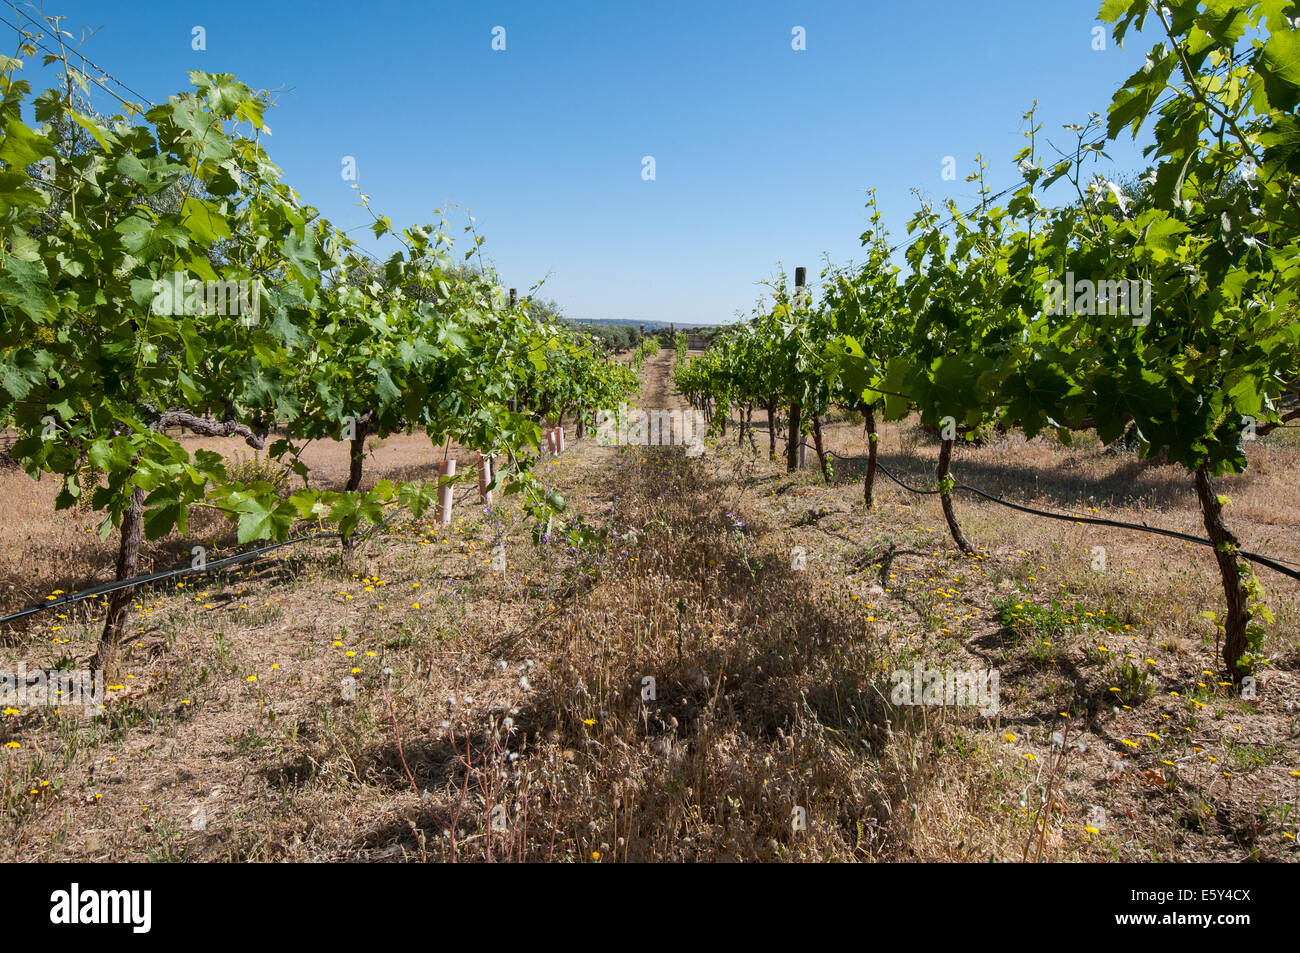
(517, 696)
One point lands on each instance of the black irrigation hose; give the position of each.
(156, 577)
(1143, 528)
(218, 564)
(911, 489)
(172, 573)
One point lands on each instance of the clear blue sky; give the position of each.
(763, 153)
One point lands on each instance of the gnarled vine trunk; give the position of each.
(873, 444)
(356, 456)
(128, 561)
(131, 532)
(1230, 571)
(945, 498)
(792, 438)
(821, 447)
(771, 428)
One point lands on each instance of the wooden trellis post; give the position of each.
(800, 280)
